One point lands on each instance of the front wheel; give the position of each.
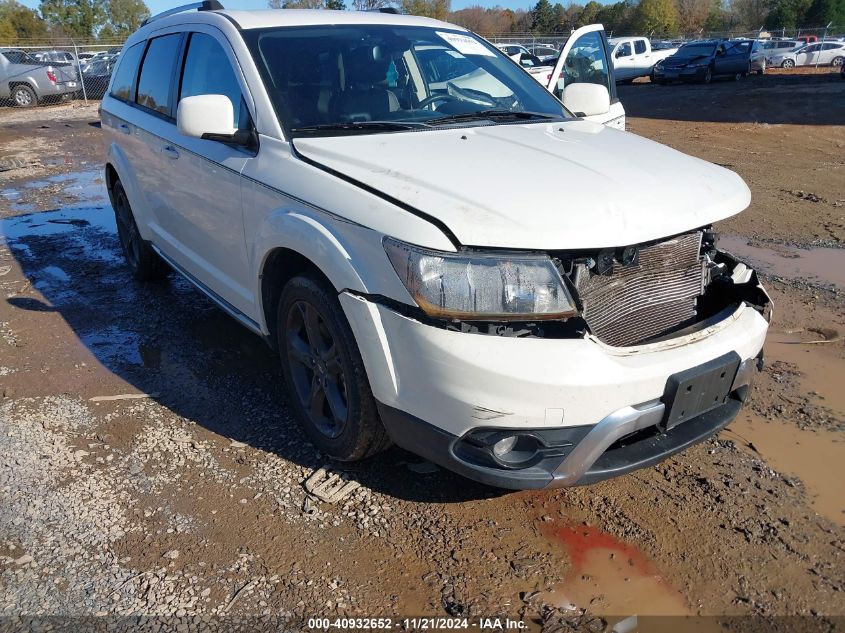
(837, 61)
(788, 63)
(324, 373)
(24, 96)
(708, 75)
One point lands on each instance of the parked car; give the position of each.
(822, 53)
(634, 57)
(544, 52)
(756, 54)
(55, 57)
(772, 47)
(25, 81)
(702, 61)
(96, 76)
(365, 224)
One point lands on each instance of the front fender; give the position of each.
(349, 255)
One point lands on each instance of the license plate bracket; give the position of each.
(699, 389)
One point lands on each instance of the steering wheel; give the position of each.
(435, 98)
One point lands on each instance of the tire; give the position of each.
(708, 75)
(762, 69)
(837, 62)
(787, 63)
(23, 96)
(737, 76)
(324, 374)
(143, 261)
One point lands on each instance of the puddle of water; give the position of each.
(817, 457)
(822, 369)
(57, 222)
(113, 346)
(88, 185)
(822, 265)
(55, 273)
(611, 578)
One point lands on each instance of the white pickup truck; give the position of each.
(633, 57)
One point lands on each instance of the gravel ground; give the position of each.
(149, 465)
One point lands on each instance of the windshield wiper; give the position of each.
(357, 126)
(483, 115)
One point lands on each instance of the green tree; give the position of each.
(822, 12)
(656, 16)
(616, 17)
(125, 16)
(542, 17)
(337, 5)
(787, 14)
(80, 19)
(589, 14)
(18, 21)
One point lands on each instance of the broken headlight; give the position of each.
(481, 286)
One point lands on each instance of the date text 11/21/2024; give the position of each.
(417, 624)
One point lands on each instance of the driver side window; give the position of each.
(624, 50)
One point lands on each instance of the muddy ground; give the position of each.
(187, 499)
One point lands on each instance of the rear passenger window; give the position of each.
(157, 73)
(127, 70)
(209, 72)
(639, 47)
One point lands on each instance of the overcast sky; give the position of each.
(157, 6)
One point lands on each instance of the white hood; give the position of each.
(566, 185)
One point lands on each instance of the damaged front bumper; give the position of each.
(537, 412)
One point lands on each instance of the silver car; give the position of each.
(25, 81)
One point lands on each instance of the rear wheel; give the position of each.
(708, 75)
(143, 261)
(324, 373)
(787, 63)
(737, 76)
(24, 96)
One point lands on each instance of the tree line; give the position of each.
(80, 20)
(112, 20)
(656, 17)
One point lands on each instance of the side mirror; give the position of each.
(586, 99)
(206, 116)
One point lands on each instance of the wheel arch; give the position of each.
(281, 265)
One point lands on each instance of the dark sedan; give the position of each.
(702, 61)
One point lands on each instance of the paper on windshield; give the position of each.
(465, 44)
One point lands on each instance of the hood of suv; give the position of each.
(575, 184)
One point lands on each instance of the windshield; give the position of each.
(694, 50)
(381, 78)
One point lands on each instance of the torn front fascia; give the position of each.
(722, 288)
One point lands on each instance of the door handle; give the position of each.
(170, 152)
(123, 128)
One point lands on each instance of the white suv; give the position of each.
(302, 171)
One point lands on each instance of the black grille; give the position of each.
(641, 301)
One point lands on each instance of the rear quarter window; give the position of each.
(127, 70)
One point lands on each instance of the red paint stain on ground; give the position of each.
(581, 539)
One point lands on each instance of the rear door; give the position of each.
(642, 57)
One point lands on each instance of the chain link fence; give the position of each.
(557, 40)
(45, 72)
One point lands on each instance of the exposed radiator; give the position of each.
(643, 300)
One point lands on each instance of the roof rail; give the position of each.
(205, 5)
(392, 10)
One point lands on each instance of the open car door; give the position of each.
(585, 60)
